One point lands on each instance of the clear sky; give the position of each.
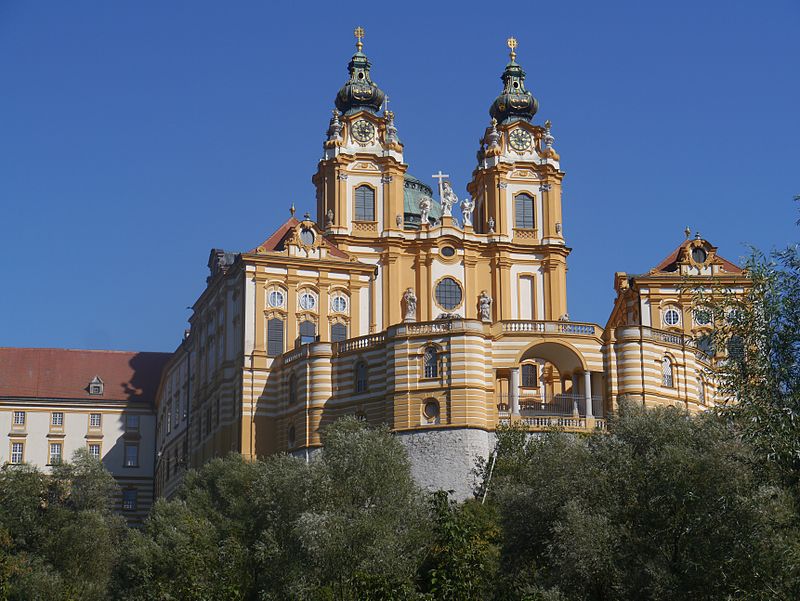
(136, 136)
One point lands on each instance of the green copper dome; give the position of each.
(514, 103)
(413, 191)
(359, 92)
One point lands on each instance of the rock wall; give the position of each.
(444, 459)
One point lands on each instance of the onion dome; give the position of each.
(359, 92)
(514, 103)
(413, 191)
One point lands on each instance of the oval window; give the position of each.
(307, 236)
(339, 304)
(431, 410)
(276, 298)
(671, 317)
(448, 251)
(699, 255)
(307, 301)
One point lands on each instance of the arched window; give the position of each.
(667, 378)
(292, 389)
(274, 337)
(308, 332)
(338, 332)
(529, 379)
(291, 437)
(701, 390)
(523, 211)
(365, 204)
(361, 377)
(431, 362)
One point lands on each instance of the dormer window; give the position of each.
(699, 255)
(307, 236)
(96, 386)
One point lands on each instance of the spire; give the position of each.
(514, 103)
(359, 92)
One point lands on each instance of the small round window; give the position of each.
(276, 298)
(339, 304)
(448, 251)
(306, 236)
(431, 410)
(291, 437)
(671, 317)
(699, 255)
(307, 301)
(448, 293)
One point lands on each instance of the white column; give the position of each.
(587, 390)
(513, 390)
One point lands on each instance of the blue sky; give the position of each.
(136, 136)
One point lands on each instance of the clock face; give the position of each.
(520, 139)
(363, 131)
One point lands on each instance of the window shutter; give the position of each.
(274, 337)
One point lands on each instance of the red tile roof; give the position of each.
(65, 374)
(274, 242)
(667, 264)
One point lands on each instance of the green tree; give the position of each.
(759, 335)
(666, 506)
(58, 536)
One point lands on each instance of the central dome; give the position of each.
(413, 191)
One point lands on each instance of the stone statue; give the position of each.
(411, 305)
(485, 306)
(329, 215)
(449, 199)
(491, 225)
(398, 219)
(564, 317)
(424, 209)
(467, 206)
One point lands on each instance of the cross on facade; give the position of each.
(440, 176)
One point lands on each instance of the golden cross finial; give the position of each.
(512, 43)
(359, 33)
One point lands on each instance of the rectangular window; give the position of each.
(169, 418)
(95, 420)
(523, 211)
(55, 453)
(208, 418)
(19, 418)
(131, 423)
(216, 413)
(365, 204)
(94, 450)
(129, 499)
(57, 418)
(131, 455)
(274, 337)
(17, 449)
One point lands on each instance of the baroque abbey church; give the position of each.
(401, 304)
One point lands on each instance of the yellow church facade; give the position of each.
(441, 317)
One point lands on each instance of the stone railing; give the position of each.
(365, 226)
(550, 327)
(429, 327)
(677, 339)
(294, 355)
(359, 344)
